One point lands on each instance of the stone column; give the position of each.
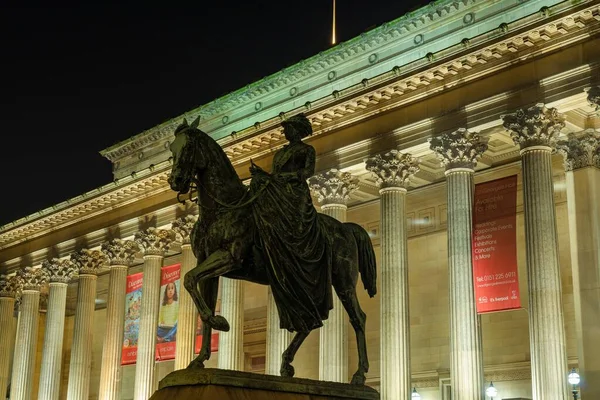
(121, 255)
(393, 171)
(24, 359)
(277, 339)
(535, 129)
(9, 286)
(333, 189)
(186, 322)
(582, 163)
(154, 242)
(59, 274)
(231, 344)
(458, 152)
(88, 263)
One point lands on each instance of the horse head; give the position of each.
(187, 156)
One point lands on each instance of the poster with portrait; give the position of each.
(168, 312)
(214, 344)
(133, 303)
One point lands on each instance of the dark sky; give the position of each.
(77, 78)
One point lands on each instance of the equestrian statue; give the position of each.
(270, 233)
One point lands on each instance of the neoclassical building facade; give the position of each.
(407, 118)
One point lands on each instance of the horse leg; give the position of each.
(358, 320)
(288, 355)
(218, 263)
(209, 291)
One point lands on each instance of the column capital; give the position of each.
(393, 169)
(183, 227)
(9, 286)
(459, 149)
(534, 126)
(333, 186)
(32, 278)
(593, 96)
(155, 241)
(88, 262)
(580, 151)
(59, 270)
(120, 252)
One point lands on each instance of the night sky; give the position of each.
(77, 78)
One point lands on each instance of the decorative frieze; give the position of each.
(333, 186)
(32, 278)
(9, 286)
(183, 228)
(459, 149)
(393, 169)
(580, 151)
(88, 262)
(155, 241)
(593, 97)
(59, 270)
(120, 252)
(534, 126)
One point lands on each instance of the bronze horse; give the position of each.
(223, 243)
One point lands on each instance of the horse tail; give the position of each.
(366, 258)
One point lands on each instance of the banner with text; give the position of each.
(495, 271)
(133, 302)
(214, 343)
(166, 333)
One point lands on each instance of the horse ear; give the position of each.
(195, 123)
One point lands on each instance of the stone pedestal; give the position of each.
(89, 263)
(277, 339)
(392, 172)
(60, 273)
(231, 344)
(121, 254)
(535, 130)
(332, 189)
(229, 385)
(458, 152)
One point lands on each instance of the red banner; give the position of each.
(166, 333)
(495, 271)
(214, 343)
(133, 303)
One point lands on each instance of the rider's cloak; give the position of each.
(295, 254)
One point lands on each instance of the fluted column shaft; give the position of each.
(394, 307)
(333, 347)
(81, 350)
(145, 363)
(466, 358)
(231, 344)
(186, 322)
(53, 342)
(546, 329)
(277, 339)
(7, 305)
(24, 359)
(110, 374)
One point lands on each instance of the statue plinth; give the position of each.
(210, 383)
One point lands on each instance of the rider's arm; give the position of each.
(309, 165)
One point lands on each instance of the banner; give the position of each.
(133, 302)
(214, 344)
(166, 333)
(495, 245)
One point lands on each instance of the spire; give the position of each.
(333, 41)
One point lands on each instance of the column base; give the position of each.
(211, 383)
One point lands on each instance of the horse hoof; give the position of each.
(358, 379)
(197, 363)
(219, 323)
(287, 370)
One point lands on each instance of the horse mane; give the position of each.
(216, 152)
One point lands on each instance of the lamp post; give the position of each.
(415, 395)
(574, 380)
(491, 391)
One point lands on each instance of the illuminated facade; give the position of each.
(520, 76)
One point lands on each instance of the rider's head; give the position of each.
(296, 127)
